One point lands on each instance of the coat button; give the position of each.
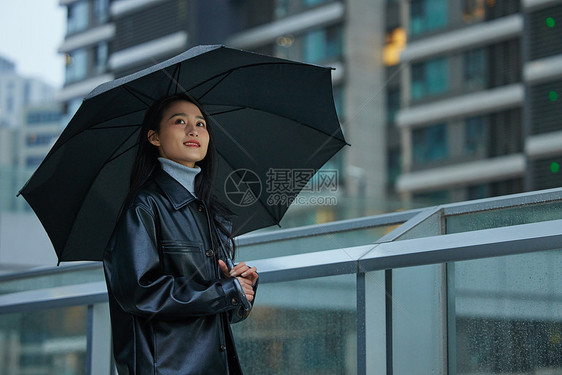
(200, 208)
(209, 253)
(223, 348)
(234, 301)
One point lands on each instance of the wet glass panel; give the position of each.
(504, 217)
(47, 342)
(508, 314)
(314, 243)
(54, 278)
(301, 327)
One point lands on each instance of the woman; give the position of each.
(172, 297)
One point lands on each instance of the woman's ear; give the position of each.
(153, 138)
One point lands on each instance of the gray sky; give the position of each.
(30, 33)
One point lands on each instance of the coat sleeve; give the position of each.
(241, 313)
(133, 273)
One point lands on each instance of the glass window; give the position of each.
(392, 104)
(78, 17)
(40, 139)
(475, 69)
(311, 3)
(323, 44)
(101, 10)
(473, 11)
(430, 78)
(101, 57)
(33, 161)
(475, 136)
(77, 65)
(430, 144)
(427, 15)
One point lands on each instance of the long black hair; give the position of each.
(146, 163)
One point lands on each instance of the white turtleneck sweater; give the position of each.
(182, 174)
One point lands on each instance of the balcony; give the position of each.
(463, 288)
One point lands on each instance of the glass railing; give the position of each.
(464, 288)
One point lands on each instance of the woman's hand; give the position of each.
(246, 275)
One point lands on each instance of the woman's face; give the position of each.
(183, 135)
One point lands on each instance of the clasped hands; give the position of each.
(246, 275)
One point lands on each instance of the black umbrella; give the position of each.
(268, 114)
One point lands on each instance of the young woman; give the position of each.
(172, 297)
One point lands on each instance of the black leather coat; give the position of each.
(170, 305)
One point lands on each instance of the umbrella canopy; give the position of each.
(267, 114)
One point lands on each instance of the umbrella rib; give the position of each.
(138, 95)
(173, 79)
(216, 84)
(285, 117)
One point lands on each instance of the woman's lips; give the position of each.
(192, 144)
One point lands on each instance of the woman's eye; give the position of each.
(202, 124)
(180, 121)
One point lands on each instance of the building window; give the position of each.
(392, 104)
(284, 8)
(101, 57)
(311, 3)
(44, 117)
(494, 189)
(101, 10)
(33, 161)
(427, 15)
(545, 107)
(473, 11)
(432, 198)
(429, 78)
(76, 65)
(78, 17)
(40, 139)
(475, 69)
(429, 144)
(475, 136)
(504, 61)
(323, 44)
(501, 8)
(545, 32)
(546, 173)
(505, 133)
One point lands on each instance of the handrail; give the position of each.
(514, 200)
(484, 243)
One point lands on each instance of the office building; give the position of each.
(478, 99)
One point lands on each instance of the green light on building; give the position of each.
(550, 22)
(554, 167)
(553, 96)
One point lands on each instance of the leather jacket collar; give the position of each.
(174, 191)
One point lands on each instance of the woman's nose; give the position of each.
(191, 130)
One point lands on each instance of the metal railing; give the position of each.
(503, 226)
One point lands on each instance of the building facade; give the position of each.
(477, 99)
(17, 95)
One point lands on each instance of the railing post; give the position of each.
(371, 324)
(99, 340)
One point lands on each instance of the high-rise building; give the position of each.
(17, 91)
(17, 94)
(439, 99)
(479, 97)
(106, 40)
